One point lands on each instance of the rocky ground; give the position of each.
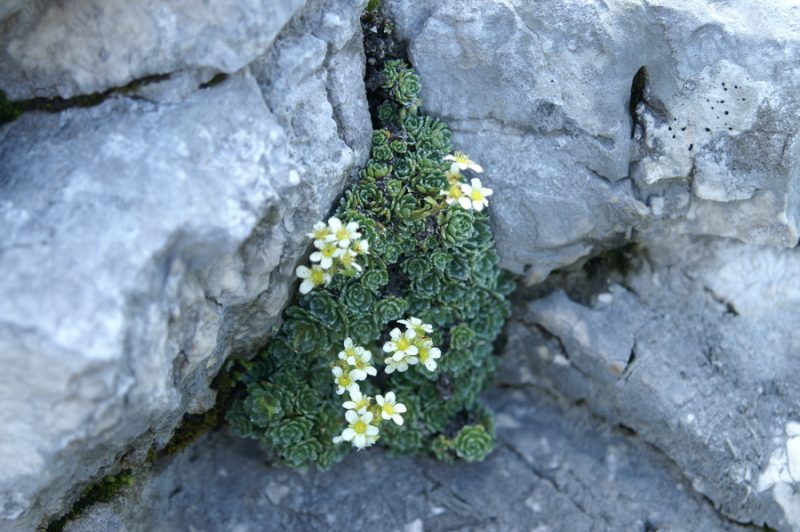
(170, 156)
(556, 468)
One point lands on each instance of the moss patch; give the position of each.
(101, 491)
(193, 426)
(10, 111)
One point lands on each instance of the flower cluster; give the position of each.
(411, 347)
(399, 271)
(363, 419)
(407, 348)
(337, 246)
(469, 196)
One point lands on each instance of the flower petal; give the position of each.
(351, 416)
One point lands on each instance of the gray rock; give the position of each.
(555, 469)
(9, 7)
(543, 95)
(145, 242)
(85, 46)
(696, 352)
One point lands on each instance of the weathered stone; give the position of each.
(145, 242)
(583, 145)
(697, 354)
(9, 7)
(556, 468)
(85, 46)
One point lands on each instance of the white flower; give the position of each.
(417, 326)
(401, 345)
(359, 358)
(452, 177)
(345, 381)
(327, 252)
(358, 402)
(461, 162)
(393, 365)
(362, 362)
(320, 232)
(349, 349)
(428, 355)
(474, 195)
(347, 259)
(361, 247)
(312, 278)
(360, 430)
(342, 234)
(453, 194)
(399, 366)
(390, 409)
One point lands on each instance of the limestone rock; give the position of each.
(148, 239)
(85, 46)
(556, 468)
(696, 352)
(596, 119)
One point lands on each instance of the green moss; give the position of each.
(427, 259)
(190, 429)
(216, 80)
(101, 491)
(9, 111)
(195, 425)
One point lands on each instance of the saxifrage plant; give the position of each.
(391, 339)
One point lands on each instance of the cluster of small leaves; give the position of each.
(427, 258)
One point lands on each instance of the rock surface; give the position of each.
(603, 121)
(86, 46)
(147, 239)
(696, 351)
(582, 145)
(150, 237)
(556, 468)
